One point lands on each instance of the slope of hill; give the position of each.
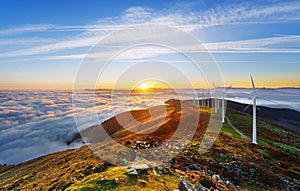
(232, 163)
(286, 118)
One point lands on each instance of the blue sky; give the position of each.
(43, 43)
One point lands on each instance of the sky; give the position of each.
(43, 44)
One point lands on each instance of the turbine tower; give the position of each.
(223, 108)
(254, 113)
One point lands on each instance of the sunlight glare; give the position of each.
(143, 86)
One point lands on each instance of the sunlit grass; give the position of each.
(116, 178)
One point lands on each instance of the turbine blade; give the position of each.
(228, 88)
(253, 86)
(248, 105)
(214, 85)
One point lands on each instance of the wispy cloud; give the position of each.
(24, 41)
(26, 29)
(187, 21)
(257, 45)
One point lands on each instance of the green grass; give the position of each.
(116, 178)
(230, 131)
(245, 121)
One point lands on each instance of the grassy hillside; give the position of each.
(272, 164)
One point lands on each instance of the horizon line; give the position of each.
(128, 89)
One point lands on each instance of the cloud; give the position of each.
(272, 44)
(44, 126)
(257, 45)
(26, 29)
(187, 21)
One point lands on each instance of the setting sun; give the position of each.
(143, 86)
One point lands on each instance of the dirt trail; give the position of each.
(233, 127)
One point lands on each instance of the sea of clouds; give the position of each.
(35, 123)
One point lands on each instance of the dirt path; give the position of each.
(233, 127)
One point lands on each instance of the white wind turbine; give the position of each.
(202, 100)
(216, 99)
(223, 103)
(254, 111)
(208, 97)
(196, 99)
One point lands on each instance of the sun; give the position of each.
(143, 86)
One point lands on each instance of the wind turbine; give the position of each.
(216, 105)
(208, 97)
(196, 99)
(254, 111)
(202, 100)
(223, 103)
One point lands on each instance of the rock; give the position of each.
(194, 167)
(168, 165)
(252, 171)
(221, 186)
(140, 168)
(238, 171)
(213, 162)
(159, 170)
(124, 162)
(95, 167)
(216, 178)
(117, 180)
(222, 156)
(184, 185)
(137, 159)
(238, 158)
(132, 171)
(210, 173)
(200, 187)
(185, 168)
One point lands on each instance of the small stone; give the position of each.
(200, 187)
(184, 186)
(216, 178)
(132, 171)
(213, 162)
(137, 159)
(194, 167)
(124, 162)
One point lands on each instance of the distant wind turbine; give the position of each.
(216, 99)
(208, 97)
(198, 98)
(223, 103)
(202, 100)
